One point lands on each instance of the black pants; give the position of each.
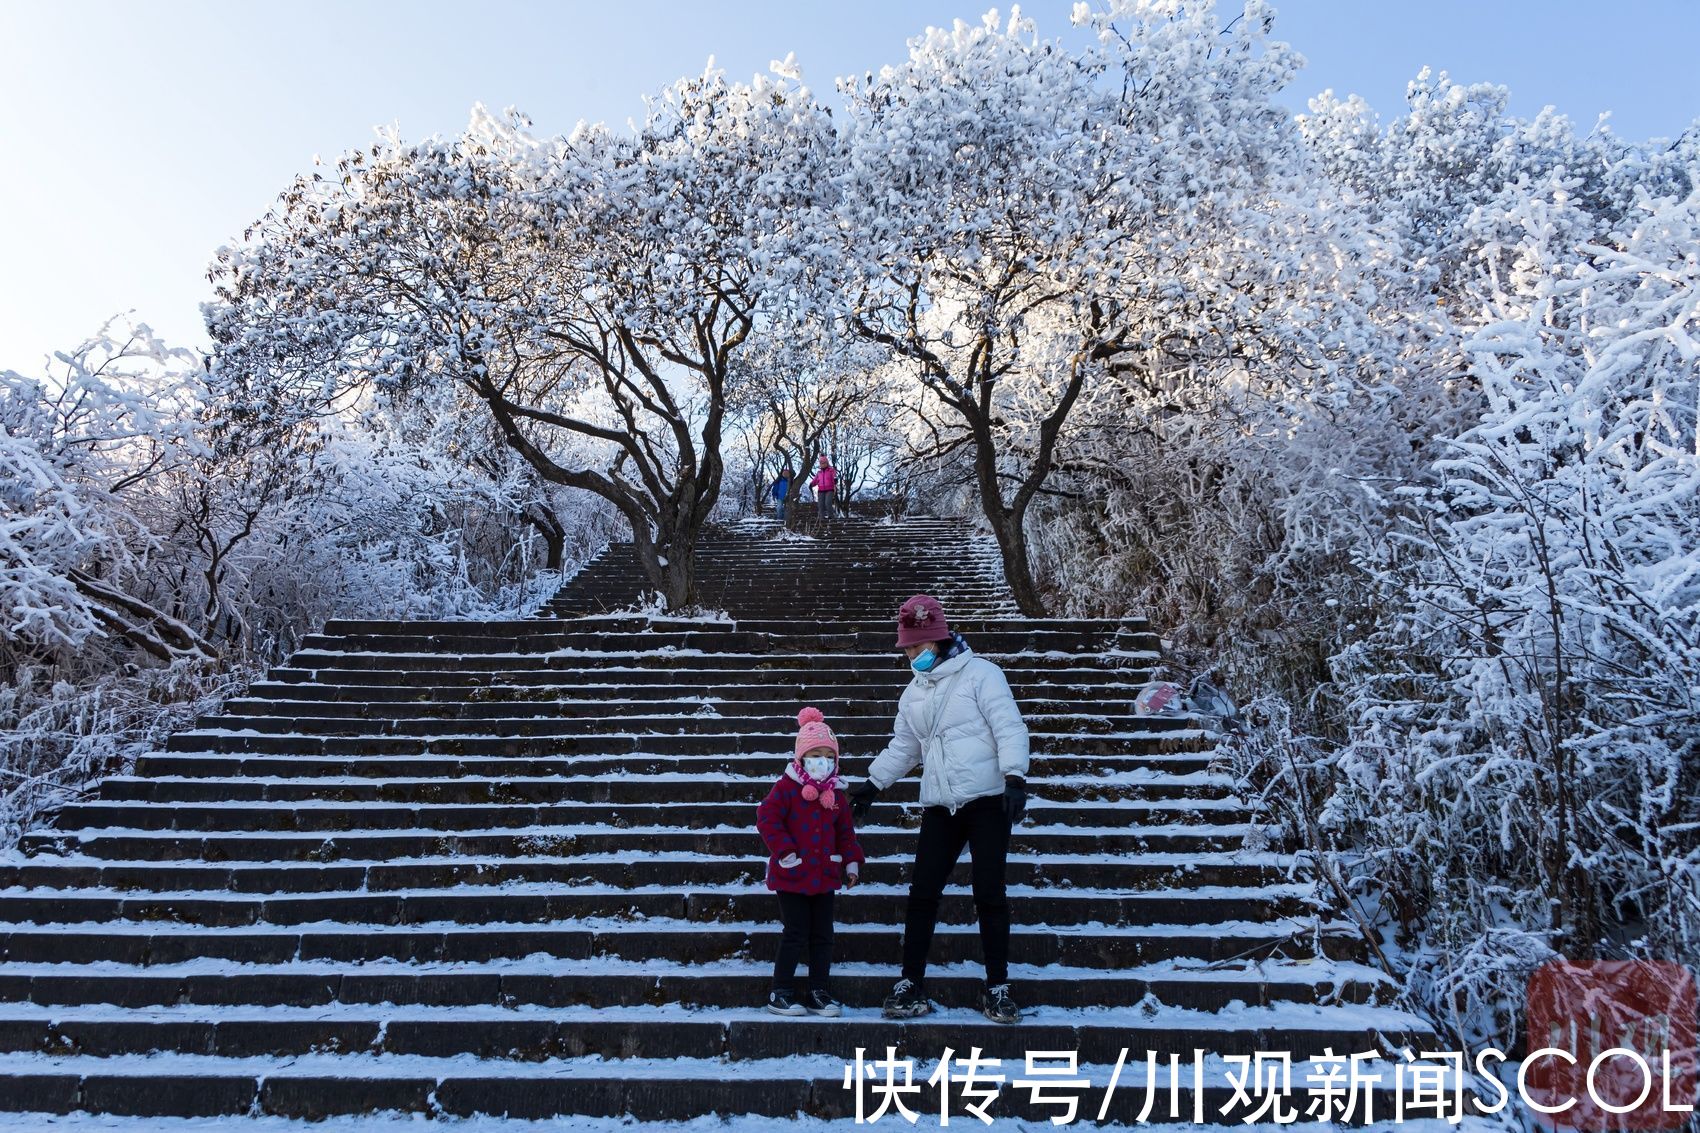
(807, 919)
(982, 827)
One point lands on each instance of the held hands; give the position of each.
(862, 796)
(1014, 799)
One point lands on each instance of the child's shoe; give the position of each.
(820, 1003)
(906, 1001)
(781, 1003)
(996, 1005)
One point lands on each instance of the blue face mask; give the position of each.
(925, 661)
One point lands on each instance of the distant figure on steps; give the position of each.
(811, 843)
(825, 484)
(959, 721)
(781, 489)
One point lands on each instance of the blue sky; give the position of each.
(137, 137)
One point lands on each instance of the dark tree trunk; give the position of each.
(548, 525)
(1009, 529)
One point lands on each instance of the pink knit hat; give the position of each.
(921, 620)
(812, 732)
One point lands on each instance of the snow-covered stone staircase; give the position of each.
(858, 570)
(458, 868)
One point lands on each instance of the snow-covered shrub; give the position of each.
(1467, 579)
(57, 738)
(153, 554)
(1535, 686)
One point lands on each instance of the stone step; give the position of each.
(1029, 667)
(605, 983)
(950, 583)
(542, 637)
(846, 570)
(660, 701)
(940, 540)
(332, 816)
(380, 767)
(778, 596)
(1154, 737)
(544, 689)
(877, 842)
(851, 558)
(736, 603)
(678, 1092)
(543, 640)
(940, 571)
(689, 669)
(725, 589)
(732, 598)
(659, 940)
(944, 546)
(1144, 872)
(670, 1032)
(680, 789)
(731, 722)
(542, 684)
(771, 627)
(1102, 688)
(851, 568)
(737, 600)
(765, 590)
(905, 544)
(971, 627)
(549, 903)
(817, 573)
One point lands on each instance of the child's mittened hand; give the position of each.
(790, 861)
(852, 874)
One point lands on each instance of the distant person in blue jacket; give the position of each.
(782, 489)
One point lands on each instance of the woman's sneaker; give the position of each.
(820, 1003)
(906, 1001)
(996, 1005)
(781, 1003)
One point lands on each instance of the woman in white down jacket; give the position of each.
(960, 722)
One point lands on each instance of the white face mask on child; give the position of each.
(818, 766)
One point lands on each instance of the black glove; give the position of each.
(862, 796)
(1014, 799)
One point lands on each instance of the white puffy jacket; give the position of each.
(977, 735)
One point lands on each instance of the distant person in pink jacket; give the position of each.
(825, 484)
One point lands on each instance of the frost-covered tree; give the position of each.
(1456, 155)
(972, 202)
(590, 292)
(81, 448)
(152, 552)
(1027, 222)
(1527, 692)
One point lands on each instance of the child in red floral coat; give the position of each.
(812, 848)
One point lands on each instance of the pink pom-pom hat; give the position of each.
(812, 732)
